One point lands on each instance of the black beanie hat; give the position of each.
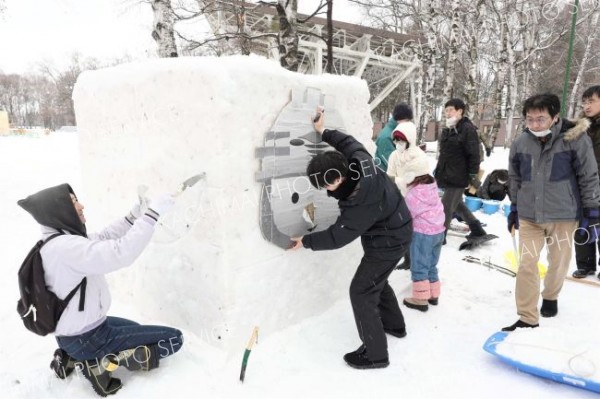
(402, 111)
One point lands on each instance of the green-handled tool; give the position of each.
(253, 340)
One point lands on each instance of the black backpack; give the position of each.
(39, 308)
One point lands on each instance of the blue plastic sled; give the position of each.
(493, 341)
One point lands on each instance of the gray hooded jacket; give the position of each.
(555, 181)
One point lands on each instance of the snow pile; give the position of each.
(208, 270)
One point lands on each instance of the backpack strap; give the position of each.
(53, 236)
(82, 284)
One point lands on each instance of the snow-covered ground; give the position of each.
(441, 357)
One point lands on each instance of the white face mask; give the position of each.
(401, 146)
(451, 122)
(541, 133)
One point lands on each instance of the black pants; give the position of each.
(374, 304)
(453, 202)
(585, 254)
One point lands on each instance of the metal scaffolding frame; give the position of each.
(383, 59)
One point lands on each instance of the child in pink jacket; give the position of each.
(426, 208)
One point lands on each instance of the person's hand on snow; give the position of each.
(297, 243)
(319, 120)
(161, 204)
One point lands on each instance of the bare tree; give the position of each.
(287, 37)
(240, 40)
(330, 36)
(590, 40)
(163, 30)
(452, 52)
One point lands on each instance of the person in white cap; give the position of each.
(404, 137)
(426, 208)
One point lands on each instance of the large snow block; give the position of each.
(213, 268)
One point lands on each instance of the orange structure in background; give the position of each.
(4, 127)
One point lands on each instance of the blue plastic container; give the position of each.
(506, 208)
(491, 206)
(473, 203)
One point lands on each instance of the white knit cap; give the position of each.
(409, 130)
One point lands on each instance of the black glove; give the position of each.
(589, 223)
(513, 218)
(474, 181)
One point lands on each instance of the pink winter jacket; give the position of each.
(426, 208)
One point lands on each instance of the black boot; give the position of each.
(359, 360)
(549, 308)
(520, 324)
(405, 265)
(143, 357)
(100, 378)
(582, 273)
(361, 350)
(396, 332)
(62, 364)
(476, 230)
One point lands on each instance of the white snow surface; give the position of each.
(442, 355)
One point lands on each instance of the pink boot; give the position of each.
(435, 292)
(421, 293)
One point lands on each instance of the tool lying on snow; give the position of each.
(253, 340)
(489, 265)
(583, 281)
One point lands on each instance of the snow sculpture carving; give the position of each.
(209, 269)
(289, 205)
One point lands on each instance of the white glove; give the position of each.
(161, 203)
(137, 210)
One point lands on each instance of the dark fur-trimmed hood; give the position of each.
(581, 126)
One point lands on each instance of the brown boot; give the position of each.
(421, 293)
(418, 304)
(143, 357)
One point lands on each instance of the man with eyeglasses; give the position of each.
(585, 249)
(553, 185)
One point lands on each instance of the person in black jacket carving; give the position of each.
(373, 209)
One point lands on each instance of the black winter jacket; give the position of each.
(458, 155)
(375, 211)
(594, 133)
(492, 188)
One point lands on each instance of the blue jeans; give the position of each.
(424, 256)
(117, 334)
